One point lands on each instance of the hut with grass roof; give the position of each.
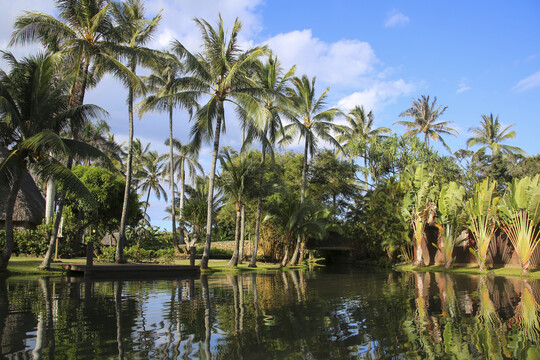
(30, 205)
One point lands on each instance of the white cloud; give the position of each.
(528, 83)
(463, 86)
(178, 15)
(378, 95)
(344, 62)
(395, 18)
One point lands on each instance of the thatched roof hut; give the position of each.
(30, 205)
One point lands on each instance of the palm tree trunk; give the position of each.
(10, 208)
(242, 233)
(304, 172)
(366, 172)
(146, 203)
(302, 197)
(49, 201)
(182, 190)
(285, 255)
(119, 256)
(46, 263)
(210, 211)
(234, 258)
(253, 262)
(171, 182)
(294, 256)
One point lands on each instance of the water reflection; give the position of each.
(316, 315)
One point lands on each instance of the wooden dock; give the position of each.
(132, 270)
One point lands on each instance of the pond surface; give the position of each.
(326, 314)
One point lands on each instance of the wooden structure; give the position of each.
(131, 270)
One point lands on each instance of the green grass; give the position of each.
(28, 266)
(503, 271)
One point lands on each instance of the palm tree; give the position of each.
(85, 33)
(311, 122)
(234, 180)
(296, 219)
(426, 121)
(491, 136)
(166, 83)
(186, 156)
(359, 135)
(34, 108)
(219, 72)
(153, 169)
(135, 31)
(270, 77)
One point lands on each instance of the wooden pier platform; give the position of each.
(135, 270)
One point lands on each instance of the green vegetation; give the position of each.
(354, 185)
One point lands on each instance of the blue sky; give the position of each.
(476, 57)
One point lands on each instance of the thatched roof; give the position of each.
(30, 204)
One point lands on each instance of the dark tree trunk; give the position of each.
(10, 208)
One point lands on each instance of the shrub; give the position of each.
(105, 253)
(165, 256)
(29, 242)
(138, 254)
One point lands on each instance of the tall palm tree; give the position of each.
(219, 72)
(235, 179)
(136, 31)
(312, 122)
(86, 34)
(270, 77)
(186, 156)
(84, 31)
(153, 169)
(34, 108)
(426, 120)
(359, 135)
(166, 83)
(491, 136)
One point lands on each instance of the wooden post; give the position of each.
(90, 254)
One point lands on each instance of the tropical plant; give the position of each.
(235, 179)
(270, 77)
(135, 32)
(34, 107)
(166, 83)
(482, 212)
(311, 122)
(186, 156)
(359, 135)
(153, 169)
(519, 210)
(296, 219)
(490, 135)
(450, 206)
(426, 121)
(419, 205)
(221, 72)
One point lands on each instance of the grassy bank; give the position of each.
(28, 266)
(503, 271)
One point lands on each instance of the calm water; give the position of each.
(290, 315)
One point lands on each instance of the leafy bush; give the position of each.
(165, 255)
(215, 252)
(138, 254)
(106, 253)
(29, 242)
